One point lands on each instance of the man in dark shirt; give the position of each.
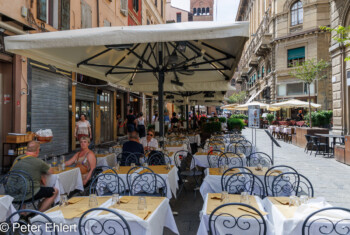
(130, 121)
(132, 146)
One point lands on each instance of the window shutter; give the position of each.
(124, 7)
(41, 10)
(296, 53)
(86, 15)
(65, 14)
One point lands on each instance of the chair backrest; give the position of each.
(230, 159)
(157, 158)
(216, 144)
(271, 173)
(148, 183)
(223, 221)
(99, 169)
(317, 223)
(291, 183)
(232, 170)
(114, 224)
(131, 158)
(254, 159)
(107, 184)
(18, 184)
(184, 160)
(245, 182)
(40, 221)
(248, 146)
(213, 157)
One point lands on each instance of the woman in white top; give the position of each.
(149, 143)
(82, 128)
(140, 125)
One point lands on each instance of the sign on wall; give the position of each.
(254, 116)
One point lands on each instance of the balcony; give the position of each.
(253, 61)
(263, 46)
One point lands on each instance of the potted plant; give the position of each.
(270, 117)
(235, 124)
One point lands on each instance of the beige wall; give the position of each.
(172, 11)
(152, 13)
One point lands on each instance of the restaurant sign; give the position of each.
(254, 116)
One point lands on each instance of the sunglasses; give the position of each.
(150, 134)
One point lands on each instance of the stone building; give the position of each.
(202, 10)
(282, 33)
(175, 14)
(340, 15)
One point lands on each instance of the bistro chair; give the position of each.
(309, 143)
(213, 157)
(156, 158)
(130, 158)
(245, 182)
(236, 148)
(230, 159)
(254, 159)
(148, 183)
(248, 147)
(227, 174)
(216, 144)
(320, 147)
(113, 224)
(18, 184)
(319, 224)
(100, 169)
(221, 221)
(291, 183)
(273, 172)
(107, 184)
(38, 219)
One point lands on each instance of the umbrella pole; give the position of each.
(187, 123)
(160, 94)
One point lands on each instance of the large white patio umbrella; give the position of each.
(190, 56)
(245, 106)
(294, 103)
(229, 106)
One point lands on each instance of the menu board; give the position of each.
(254, 116)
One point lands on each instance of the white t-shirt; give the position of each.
(83, 127)
(153, 143)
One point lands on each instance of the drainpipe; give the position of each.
(98, 12)
(11, 28)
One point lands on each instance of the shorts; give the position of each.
(44, 192)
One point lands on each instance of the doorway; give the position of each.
(106, 116)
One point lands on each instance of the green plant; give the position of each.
(150, 126)
(270, 117)
(340, 35)
(222, 119)
(239, 116)
(203, 119)
(212, 127)
(235, 123)
(237, 97)
(320, 118)
(211, 119)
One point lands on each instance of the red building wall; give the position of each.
(134, 18)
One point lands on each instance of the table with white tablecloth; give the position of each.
(175, 148)
(194, 139)
(201, 159)
(6, 208)
(106, 160)
(152, 225)
(288, 220)
(65, 181)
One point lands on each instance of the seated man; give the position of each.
(37, 169)
(132, 146)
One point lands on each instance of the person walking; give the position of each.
(140, 122)
(130, 121)
(82, 128)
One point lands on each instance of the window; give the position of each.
(199, 11)
(297, 13)
(135, 5)
(156, 3)
(203, 11)
(124, 7)
(295, 56)
(161, 8)
(178, 17)
(207, 11)
(194, 11)
(86, 15)
(41, 10)
(262, 71)
(294, 89)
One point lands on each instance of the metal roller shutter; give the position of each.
(49, 109)
(85, 93)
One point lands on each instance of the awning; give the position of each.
(197, 56)
(256, 94)
(294, 103)
(245, 106)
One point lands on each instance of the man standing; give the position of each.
(36, 169)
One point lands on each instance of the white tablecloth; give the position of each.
(153, 225)
(204, 224)
(293, 226)
(6, 208)
(202, 160)
(175, 149)
(65, 182)
(109, 160)
(195, 139)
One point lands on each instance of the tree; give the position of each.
(308, 72)
(237, 97)
(342, 35)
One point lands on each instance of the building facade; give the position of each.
(340, 15)
(283, 33)
(202, 10)
(174, 14)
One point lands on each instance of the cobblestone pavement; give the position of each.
(330, 179)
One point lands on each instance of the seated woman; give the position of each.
(149, 143)
(85, 159)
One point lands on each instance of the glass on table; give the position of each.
(62, 159)
(294, 201)
(132, 165)
(60, 168)
(145, 164)
(259, 167)
(117, 166)
(303, 199)
(54, 161)
(93, 201)
(222, 169)
(224, 197)
(168, 166)
(63, 200)
(115, 200)
(244, 198)
(142, 204)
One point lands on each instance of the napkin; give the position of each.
(125, 199)
(282, 200)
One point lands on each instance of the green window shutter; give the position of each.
(41, 10)
(297, 53)
(65, 14)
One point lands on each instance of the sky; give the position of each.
(224, 10)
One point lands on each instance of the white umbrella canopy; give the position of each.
(245, 106)
(195, 56)
(294, 103)
(229, 106)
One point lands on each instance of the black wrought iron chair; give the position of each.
(319, 224)
(18, 184)
(230, 159)
(39, 220)
(148, 183)
(222, 222)
(216, 144)
(236, 147)
(231, 171)
(261, 158)
(248, 146)
(158, 158)
(274, 172)
(114, 224)
(186, 164)
(291, 183)
(309, 143)
(245, 182)
(107, 184)
(213, 157)
(131, 158)
(319, 146)
(100, 169)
